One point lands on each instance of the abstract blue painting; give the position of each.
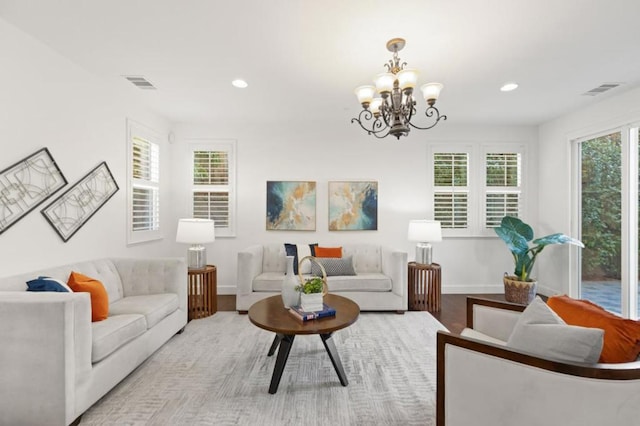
(291, 205)
(353, 206)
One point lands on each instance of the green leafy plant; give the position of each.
(312, 285)
(517, 235)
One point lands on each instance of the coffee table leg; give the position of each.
(335, 358)
(286, 341)
(274, 345)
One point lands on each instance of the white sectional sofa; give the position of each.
(55, 363)
(380, 283)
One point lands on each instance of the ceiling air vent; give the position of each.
(601, 89)
(140, 82)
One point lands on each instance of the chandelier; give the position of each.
(391, 113)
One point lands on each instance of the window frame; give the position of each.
(476, 201)
(228, 146)
(138, 131)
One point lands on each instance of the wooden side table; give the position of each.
(202, 292)
(425, 288)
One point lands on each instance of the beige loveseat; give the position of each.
(380, 283)
(55, 363)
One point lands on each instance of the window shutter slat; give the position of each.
(503, 193)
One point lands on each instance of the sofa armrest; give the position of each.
(154, 276)
(481, 383)
(493, 317)
(394, 265)
(249, 267)
(46, 353)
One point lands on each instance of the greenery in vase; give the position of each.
(516, 234)
(313, 285)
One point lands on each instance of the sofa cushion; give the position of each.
(99, 297)
(366, 257)
(268, 281)
(542, 332)
(333, 266)
(621, 336)
(154, 307)
(114, 332)
(360, 282)
(274, 258)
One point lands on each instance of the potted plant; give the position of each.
(520, 287)
(311, 292)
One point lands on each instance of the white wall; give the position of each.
(47, 101)
(555, 192)
(338, 150)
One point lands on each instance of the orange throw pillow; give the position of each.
(328, 251)
(621, 336)
(97, 292)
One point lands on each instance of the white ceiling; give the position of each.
(303, 58)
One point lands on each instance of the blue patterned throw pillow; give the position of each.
(47, 284)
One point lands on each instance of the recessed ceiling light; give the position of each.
(507, 87)
(240, 83)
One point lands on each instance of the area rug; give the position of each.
(217, 372)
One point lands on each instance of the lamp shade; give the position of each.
(195, 231)
(431, 91)
(425, 231)
(365, 94)
(407, 78)
(384, 82)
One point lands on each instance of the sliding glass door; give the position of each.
(601, 226)
(608, 220)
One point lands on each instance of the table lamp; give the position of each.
(196, 232)
(424, 232)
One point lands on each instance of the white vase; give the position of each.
(289, 294)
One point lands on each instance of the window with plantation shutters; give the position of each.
(451, 189)
(475, 185)
(213, 184)
(503, 180)
(144, 185)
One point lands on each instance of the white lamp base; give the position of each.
(424, 254)
(197, 257)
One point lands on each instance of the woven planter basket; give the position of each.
(515, 291)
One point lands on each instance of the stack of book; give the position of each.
(327, 311)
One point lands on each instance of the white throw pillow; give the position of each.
(540, 331)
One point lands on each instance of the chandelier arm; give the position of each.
(429, 113)
(366, 115)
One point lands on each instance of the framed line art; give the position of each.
(71, 210)
(27, 184)
(353, 206)
(291, 205)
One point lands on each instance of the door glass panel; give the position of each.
(601, 223)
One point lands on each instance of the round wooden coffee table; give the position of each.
(270, 314)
